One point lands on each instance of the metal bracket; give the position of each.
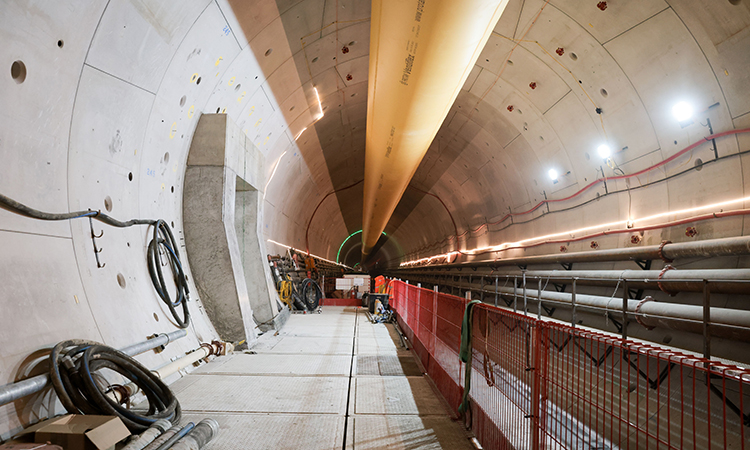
(94, 237)
(560, 287)
(618, 325)
(567, 266)
(644, 264)
(653, 384)
(597, 361)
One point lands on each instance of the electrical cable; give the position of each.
(163, 241)
(79, 393)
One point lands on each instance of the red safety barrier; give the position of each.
(541, 384)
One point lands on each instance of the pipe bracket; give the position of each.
(638, 312)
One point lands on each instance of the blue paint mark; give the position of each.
(151, 172)
(226, 30)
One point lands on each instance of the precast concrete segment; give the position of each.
(275, 364)
(264, 394)
(396, 395)
(396, 432)
(420, 56)
(312, 345)
(275, 431)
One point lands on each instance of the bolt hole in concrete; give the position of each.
(604, 92)
(510, 63)
(156, 317)
(218, 109)
(182, 100)
(173, 189)
(130, 176)
(121, 280)
(698, 164)
(269, 51)
(315, 59)
(18, 71)
(166, 157)
(237, 88)
(108, 203)
(198, 81)
(735, 2)
(60, 43)
(173, 224)
(573, 56)
(352, 43)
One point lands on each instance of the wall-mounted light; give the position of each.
(552, 174)
(683, 112)
(604, 151)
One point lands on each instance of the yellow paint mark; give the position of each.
(163, 186)
(726, 72)
(173, 130)
(266, 141)
(258, 122)
(191, 111)
(76, 298)
(174, 168)
(231, 81)
(135, 152)
(252, 110)
(241, 97)
(224, 111)
(217, 74)
(194, 77)
(218, 61)
(591, 26)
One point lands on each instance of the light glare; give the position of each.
(552, 174)
(682, 111)
(604, 151)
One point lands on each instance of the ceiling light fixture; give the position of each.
(552, 174)
(604, 151)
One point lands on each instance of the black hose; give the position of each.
(163, 241)
(163, 238)
(311, 294)
(79, 394)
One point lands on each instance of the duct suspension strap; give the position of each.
(465, 353)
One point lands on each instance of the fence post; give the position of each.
(515, 294)
(535, 428)
(706, 320)
(573, 300)
(525, 306)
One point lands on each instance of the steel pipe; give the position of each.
(148, 436)
(723, 281)
(734, 246)
(726, 323)
(13, 391)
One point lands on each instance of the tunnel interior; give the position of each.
(582, 129)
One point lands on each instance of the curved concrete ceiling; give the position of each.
(556, 80)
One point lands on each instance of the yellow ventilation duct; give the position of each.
(421, 53)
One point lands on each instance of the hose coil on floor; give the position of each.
(73, 372)
(311, 294)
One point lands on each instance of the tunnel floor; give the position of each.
(293, 391)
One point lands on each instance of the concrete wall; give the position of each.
(103, 119)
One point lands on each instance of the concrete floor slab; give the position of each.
(379, 344)
(396, 395)
(396, 432)
(311, 345)
(388, 365)
(276, 431)
(232, 393)
(273, 364)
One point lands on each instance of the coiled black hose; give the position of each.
(72, 367)
(163, 238)
(311, 294)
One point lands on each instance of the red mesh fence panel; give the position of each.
(540, 384)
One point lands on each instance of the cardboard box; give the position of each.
(76, 432)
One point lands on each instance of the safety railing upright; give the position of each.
(540, 384)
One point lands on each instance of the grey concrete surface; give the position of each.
(291, 399)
